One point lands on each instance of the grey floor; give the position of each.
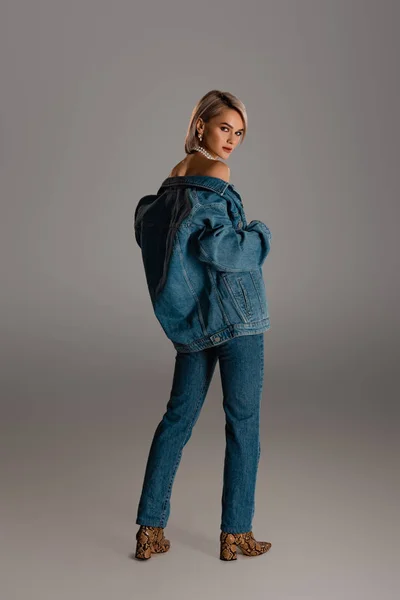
(73, 455)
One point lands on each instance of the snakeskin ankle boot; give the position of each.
(245, 541)
(150, 540)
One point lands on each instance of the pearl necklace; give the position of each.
(205, 152)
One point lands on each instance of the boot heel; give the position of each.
(143, 552)
(150, 540)
(228, 546)
(143, 545)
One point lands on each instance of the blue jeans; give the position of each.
(241, 363)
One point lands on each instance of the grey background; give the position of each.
(95, 101)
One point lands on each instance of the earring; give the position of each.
(200, 137)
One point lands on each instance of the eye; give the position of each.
(226, 128)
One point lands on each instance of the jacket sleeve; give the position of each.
(226, 249)
(137, 225)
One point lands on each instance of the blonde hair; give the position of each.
(209, 106)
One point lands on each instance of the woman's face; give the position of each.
(222, 133)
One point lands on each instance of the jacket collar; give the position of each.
(215, 184)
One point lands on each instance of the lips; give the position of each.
(226, 149)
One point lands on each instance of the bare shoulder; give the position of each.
(177, 169)
(196, 164)
(218, 169)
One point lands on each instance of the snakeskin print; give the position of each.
(245, 541)
(150, 540)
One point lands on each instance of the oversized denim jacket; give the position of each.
(202, 261)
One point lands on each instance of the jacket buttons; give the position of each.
(216, 338)
(240, 224)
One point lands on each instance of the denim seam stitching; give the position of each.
(261, 378)
(219, 266)
(188, 428)
(249, 308)
(215, 288)
(186, 276)
(257, 291)
(234, 299)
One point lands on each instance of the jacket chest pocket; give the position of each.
(245, 295)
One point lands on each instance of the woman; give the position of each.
(203, 269)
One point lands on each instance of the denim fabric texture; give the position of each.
(203, 262)
(241, 364)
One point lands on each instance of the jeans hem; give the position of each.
(235, 530)
(149, 523)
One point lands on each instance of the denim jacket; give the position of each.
(202, 261)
